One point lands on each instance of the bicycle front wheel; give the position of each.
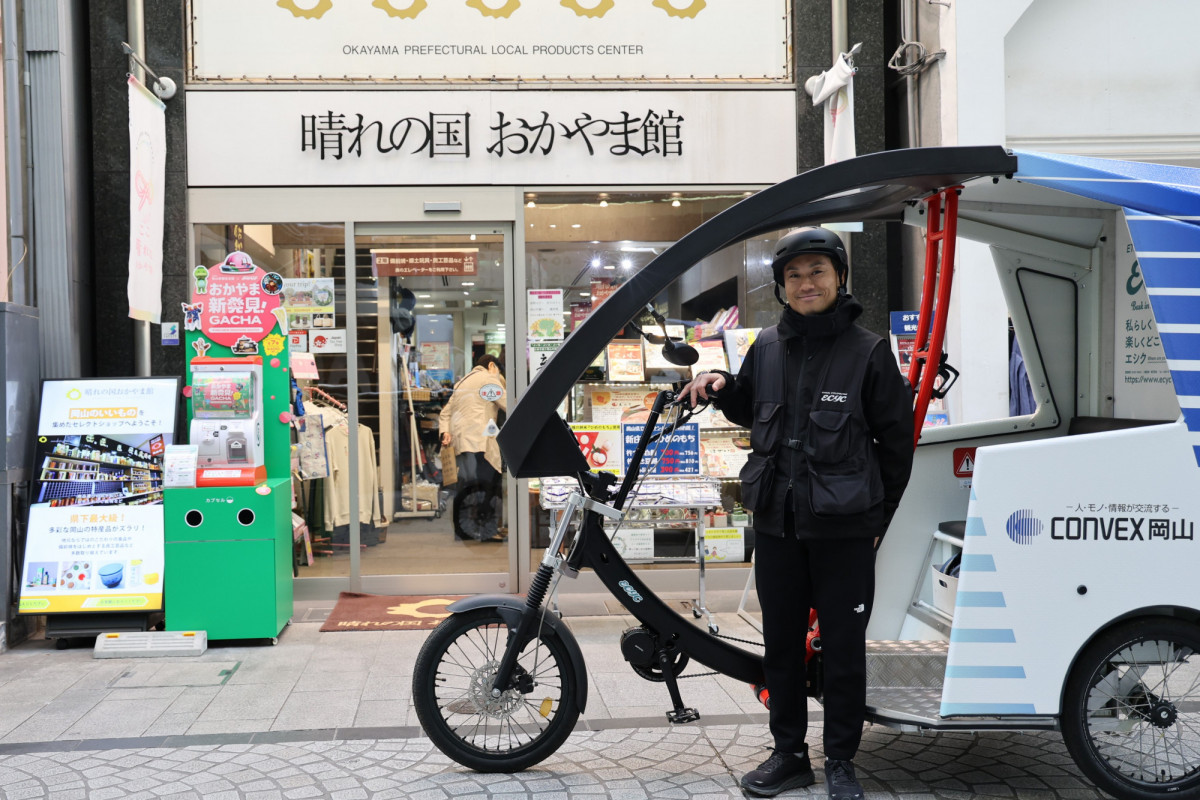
(452, 692)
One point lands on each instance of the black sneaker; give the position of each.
(780, 772)
(840, 780)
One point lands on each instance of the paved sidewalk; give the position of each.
(329, 715)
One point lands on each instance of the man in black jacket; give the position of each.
(831, 434)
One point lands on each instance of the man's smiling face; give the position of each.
(810, 283)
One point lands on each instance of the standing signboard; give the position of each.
(95, 540)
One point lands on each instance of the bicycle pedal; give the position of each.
(682, 716)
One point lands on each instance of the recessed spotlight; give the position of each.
(675, 203)
(596, 262)
(531, 204)
(604, 204)
(626, 263)
(531, 224)
(472, 237)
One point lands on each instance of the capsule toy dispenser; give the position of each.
(227, 421)
(229, 546)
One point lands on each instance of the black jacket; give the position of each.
(886, 404)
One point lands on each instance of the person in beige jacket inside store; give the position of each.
(468, 423)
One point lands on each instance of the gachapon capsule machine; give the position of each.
(227, 421)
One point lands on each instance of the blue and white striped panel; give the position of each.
(1168, 251)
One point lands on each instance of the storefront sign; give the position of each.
(680, 455)
(415, 40)
(545, 313)
(298, 342)
(327, 341)
(425, 262)
(147, 188)
(95, 540)
(317, 138)
(234, 303)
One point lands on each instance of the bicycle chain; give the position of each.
(719, 636)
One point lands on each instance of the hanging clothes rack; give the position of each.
(311, 390)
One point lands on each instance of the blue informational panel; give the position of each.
(679, 456)
(904, 323)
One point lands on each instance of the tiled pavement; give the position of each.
(329, 715)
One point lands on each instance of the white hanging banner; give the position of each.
(147, 181)
(835, 89)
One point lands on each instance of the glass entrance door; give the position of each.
(433, 360)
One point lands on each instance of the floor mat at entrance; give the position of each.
(381, 612)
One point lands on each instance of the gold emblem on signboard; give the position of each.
(316, 12)
(403, 13)
(690, 12)
(601, 8)
(505, 10)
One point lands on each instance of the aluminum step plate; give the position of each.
(150, 644)
(906, 665)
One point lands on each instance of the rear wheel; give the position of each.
(452, 692)
(1131, 715)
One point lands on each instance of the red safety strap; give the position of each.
(940, 236)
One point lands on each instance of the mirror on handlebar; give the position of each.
(675, 352)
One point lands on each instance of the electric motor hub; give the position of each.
(638, 646)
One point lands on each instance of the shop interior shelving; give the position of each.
(106, 479)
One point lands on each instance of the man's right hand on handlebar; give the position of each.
(702, 389)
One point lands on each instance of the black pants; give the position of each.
(477, 502)
(837, 578)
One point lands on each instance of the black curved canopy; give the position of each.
(537, 443)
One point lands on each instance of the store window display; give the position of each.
(580, 248)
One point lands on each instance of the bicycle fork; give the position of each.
(531, 614)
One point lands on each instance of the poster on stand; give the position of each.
(712, 356)
(726, 545)
(95, 539)
(723, 457)
(611, 405)
(600, 445)
(678, 455)
(625, 362)
(737, 344)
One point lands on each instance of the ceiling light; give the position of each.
(576, 225)
(468, 283)
(552, 225)
(586, 294)
(466, 293)
(596, 262)
(626, 263)
(531, 204)
(426, 305)
(604, 204)
(472, 237)
(423, 297)
(610, 266)
(675, 203)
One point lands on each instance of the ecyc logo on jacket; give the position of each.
(833, 397)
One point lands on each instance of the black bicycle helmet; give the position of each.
(810, 240)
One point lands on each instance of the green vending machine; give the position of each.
(228, 516)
